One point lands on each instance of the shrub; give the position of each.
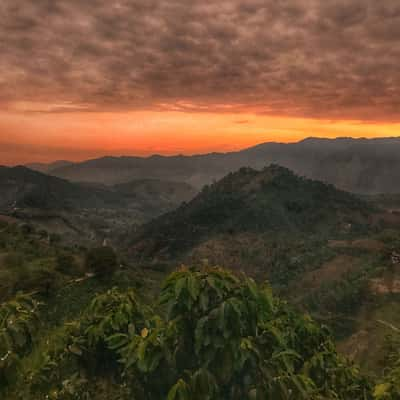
(66, 264)
(13, 260)
(102, 261)
(18, 324)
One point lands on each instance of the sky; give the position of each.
(81, 79)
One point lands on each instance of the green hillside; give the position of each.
(85, 213)
(24, 188)
(273, 201)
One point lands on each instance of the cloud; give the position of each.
(308, 58)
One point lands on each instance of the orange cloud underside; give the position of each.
(27, 137)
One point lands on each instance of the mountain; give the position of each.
(22, 187)
(367, 166)
(48, 167)
(272, 201)
(80, 211)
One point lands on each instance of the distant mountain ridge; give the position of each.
(367, 166)
(49, 167)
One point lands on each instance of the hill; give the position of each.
(82, 211)
(156, 196)
(272, 201)
(357, 165)
(22, 187)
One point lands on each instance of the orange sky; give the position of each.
(42, 137)
(137, 77)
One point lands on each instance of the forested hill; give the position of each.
(22, 187)
(273, 200)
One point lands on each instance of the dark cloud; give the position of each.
(314, 58)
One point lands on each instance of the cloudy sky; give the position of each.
(85, 78)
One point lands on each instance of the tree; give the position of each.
(225, 337)
(222, 337)
(102, 260)
(389, 387)
(65, 263)
(19, 320)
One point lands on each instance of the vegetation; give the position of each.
(273, 201)
(219, 336)
(208, 333)
(18, 323)
(102, 261)
(29, 262)
(66, 263)
(389, 388)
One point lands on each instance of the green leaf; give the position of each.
(74, 349)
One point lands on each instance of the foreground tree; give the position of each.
(222, 337)
(226, 337)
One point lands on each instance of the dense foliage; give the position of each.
(102, 260)
(272, 200)
(218, 336)
(389, 388)
(18, 323)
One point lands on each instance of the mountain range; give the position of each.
(365, 166)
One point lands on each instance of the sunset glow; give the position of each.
(46, 137)
(85, 79)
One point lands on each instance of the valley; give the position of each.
(330, 254)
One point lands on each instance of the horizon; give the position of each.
(199, 154)
(124, 78)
